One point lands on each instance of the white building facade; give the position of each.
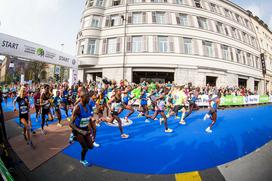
(197, 41)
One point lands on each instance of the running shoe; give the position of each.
(182, 122)
(124, 136)
(71, 138)
(140, 115)
(147, 121)
(168, 115)
(69, 119)
(177, 117)
(43, 132)
(31, 144)
(168, 130)
(59, 125)
(156, 119)
(32, 131)
(96, 144)
(97, 125)
(208, 130)
(85, 163)
(206, 117)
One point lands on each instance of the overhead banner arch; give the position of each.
(17, 47)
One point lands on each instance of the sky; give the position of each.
(55, 22)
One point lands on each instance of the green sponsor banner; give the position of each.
(226, 100)
(4, 172)
(237, 100)
(264, 99)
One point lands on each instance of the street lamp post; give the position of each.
(125, 36)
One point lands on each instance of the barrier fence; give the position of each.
(231, 100)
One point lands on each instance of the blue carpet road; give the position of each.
(151, 151)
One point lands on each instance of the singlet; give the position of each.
(92, 105)
(65, 95)
(37, 99)
(116, 105)
(126, 98)
(23, 105)
(5, 92)
(57, 101)
(46, 98)
(213, 103)
(161, 105)
(83, 119)
(179, 98)
(144, 99)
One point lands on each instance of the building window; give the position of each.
(225, 52)
(247, 24)
(233, 32)
(159, 1)
(249, 60)
(238, 18)
(137, 18)
(99, 3)
(219, 27)
(116, 2)
(258, 66)
(137, 42)
(90, 3)
(138, 1)
(179, 2)
(226, 31)
(183, 19)
(114, 20)
(95, 21)
(86, 22)
(213, 8)
(187, 43)
(202, 23)
(112, 45)
(245, 37)
(91, 46)
(239, 55)
(207, 48)
(197, 3)
(227, 12)
(81, 47)
(163, 44)
(158, 17)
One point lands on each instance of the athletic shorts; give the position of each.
(178, 107)
(45, 111)
(23, 116)
(114, 113)
(212, 110)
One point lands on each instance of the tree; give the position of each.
(36, 69)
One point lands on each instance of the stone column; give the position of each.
(250, 84)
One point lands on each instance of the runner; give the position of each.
(81, 125)
(125, 102)
(143, 103)
(57, 101)
(45, 104)
(5, 94)
(65, 103)
(192, 102)
(159, 109)
(116, 108)
(212, 114)
(24, 115)
(37, 97)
